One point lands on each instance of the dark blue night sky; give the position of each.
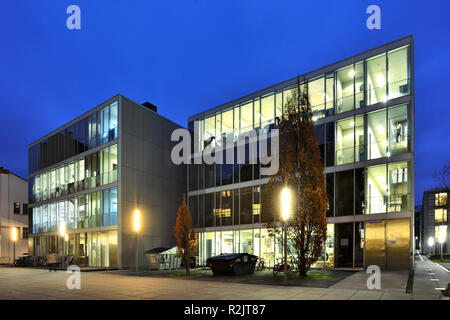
(186, 56)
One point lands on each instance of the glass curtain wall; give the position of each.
(87, 211)
(94, 170)
(388, 188)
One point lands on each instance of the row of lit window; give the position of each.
(387, 77)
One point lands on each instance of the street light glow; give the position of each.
(430, 241)
(285, 203)
(137, 220)
(62, 228)
(442, 235)
(66, 237)
(14, 234)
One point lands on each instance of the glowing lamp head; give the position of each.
(66, 237)
(137, 220)
(14, 234)
(430, 241)
(442, 235)
(285, 203)
(62, 228)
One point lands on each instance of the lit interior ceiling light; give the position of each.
(380, 128)
(314, 118)
(380, 80)
(384, 98)
(352, 123)
(384, 143)
(351, 73)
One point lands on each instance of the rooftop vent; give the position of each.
(150, 106)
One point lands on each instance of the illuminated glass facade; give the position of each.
(363, 108)
(92, 173)
(73, 179)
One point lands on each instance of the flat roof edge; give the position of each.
(409, 39)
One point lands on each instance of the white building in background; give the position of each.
(13, 213)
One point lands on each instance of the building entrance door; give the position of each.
(388, 244)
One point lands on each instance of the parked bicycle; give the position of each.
(260, 264)
(280, 267)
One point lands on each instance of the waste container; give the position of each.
(233, 264)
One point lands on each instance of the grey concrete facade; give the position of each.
(148, 181)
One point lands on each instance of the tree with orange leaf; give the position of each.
(184, 234)
(301, 170)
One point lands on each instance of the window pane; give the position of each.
(344, 193)
(345, 141)
(330, 194)
(257, 112)
(376, 189)
(376, 79)
(227, 124)
(398, 72)
(329, 94)
(210, 130)
(246, 241)
(359, 138)
(398, 130)
(236, 122)
(246, 206)
(227, 207)
(344, 89)
(267, 111)
(399, 186)
(330, 153)
(359, 85)
(376, 135)
(217, 209)
(359, 191)
(256, 209)
(246, 117)
(316, 92)
(209, 205)
(218, 134)
(278, 105)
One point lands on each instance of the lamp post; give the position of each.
(285, 211)
(62, 233)
(431, 242)
(442, 237)
(137, 227)
(14, 239)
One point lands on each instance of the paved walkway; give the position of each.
(393, 284)
(24, 283)
(428, 277)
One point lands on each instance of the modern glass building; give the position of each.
(363, 108)
(434, 222)
(93, 172)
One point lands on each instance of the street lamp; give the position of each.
(442, 236)
(285, 212)
(14, 239)
(137, 227)
(62, 233)
(430, 242)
